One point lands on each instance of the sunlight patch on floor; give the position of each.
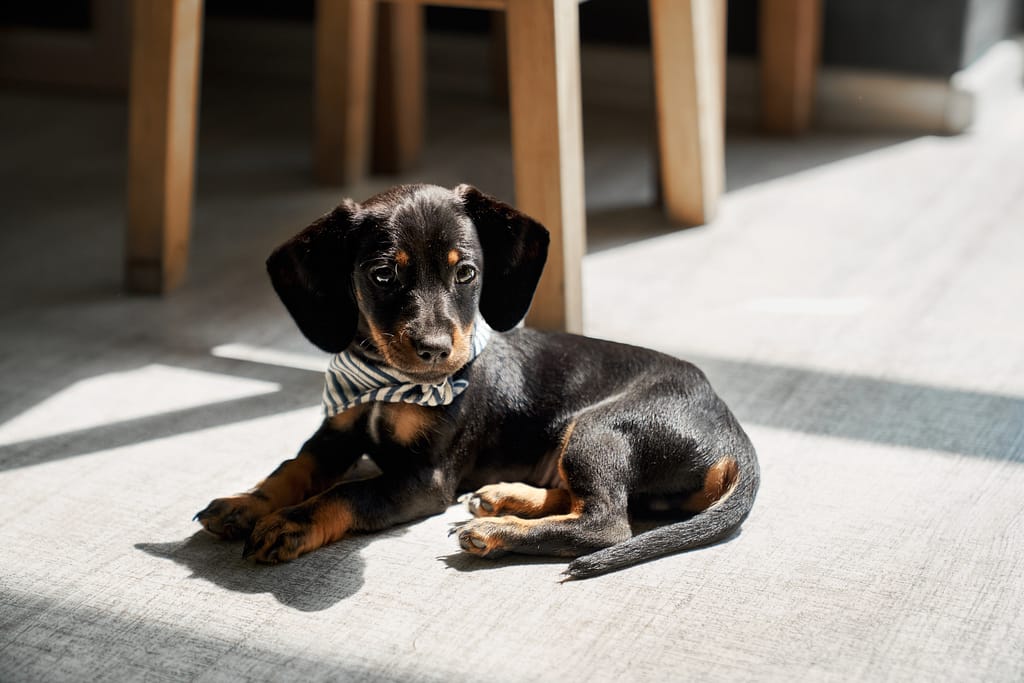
(284, 359)
(841, 306)
(120, 396)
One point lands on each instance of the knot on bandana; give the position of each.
(351, 380)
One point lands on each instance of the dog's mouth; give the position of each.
(404, 358)
(406, 361)
(433, 376)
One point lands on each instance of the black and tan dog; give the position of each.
(407, 285)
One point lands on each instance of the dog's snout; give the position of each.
(433, 348)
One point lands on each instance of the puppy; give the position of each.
(418, 292)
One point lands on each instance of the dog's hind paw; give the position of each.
(479, 537)
(478, 506)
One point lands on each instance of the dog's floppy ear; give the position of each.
(312, 274)
(515, 247)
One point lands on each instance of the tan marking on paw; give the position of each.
(290, 483)
(280, 537)
(475, 539)
(486, 535)
(519, 499)
(233, 517)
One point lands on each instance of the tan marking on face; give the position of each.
(408, 421)
(380, 341)
(454, 257)
(398, 351)
(343, 422)
(402, 258)
(718, 483)
(461, 345)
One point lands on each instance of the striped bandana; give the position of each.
(351, 380)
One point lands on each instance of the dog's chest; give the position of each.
(401, 423)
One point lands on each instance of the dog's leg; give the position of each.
(568, 535)
(367, 505)
(323, 459)
(521, 500)
(591, 466)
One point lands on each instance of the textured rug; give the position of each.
(856, 302)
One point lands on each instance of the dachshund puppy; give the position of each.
(418, 292)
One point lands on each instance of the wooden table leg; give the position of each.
(688, 45)
(547, 148)
(399, 95)
(790, 36)
(345, 31)
(161, 141)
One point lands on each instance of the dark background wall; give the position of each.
(930, 37)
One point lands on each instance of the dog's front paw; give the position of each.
(281, 537)
(233, 517)
(481, 537)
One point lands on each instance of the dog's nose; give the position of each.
(433, 348)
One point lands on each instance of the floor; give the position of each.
(857, 302)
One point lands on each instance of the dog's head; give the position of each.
(405, 272)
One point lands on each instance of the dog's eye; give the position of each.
(383, 276)
(465, 274)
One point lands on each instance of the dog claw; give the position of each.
(230, 518)
(204, 514)
(477, 542)
(475, 504)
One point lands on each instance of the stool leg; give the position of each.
(345, 32)
(547, 148)
(164, 81)
(790, 32)
(398, 105)
(688, 42)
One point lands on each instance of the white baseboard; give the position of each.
(858, 99)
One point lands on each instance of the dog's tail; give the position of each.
(710, 526)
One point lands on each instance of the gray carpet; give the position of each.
(857, 302)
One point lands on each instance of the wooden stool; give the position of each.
(688, 42)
